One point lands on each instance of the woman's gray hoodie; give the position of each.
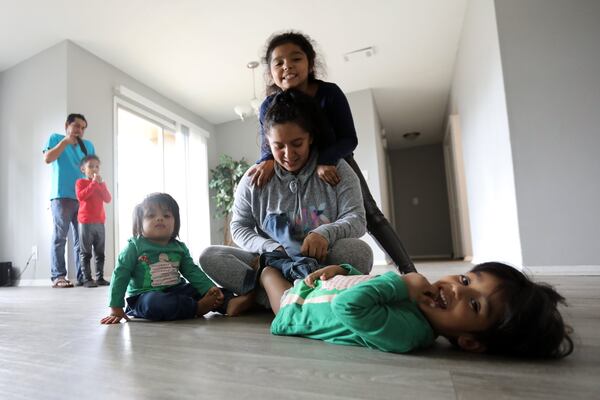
(311, 205)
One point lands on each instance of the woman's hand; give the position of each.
(419, 289)
(324, 273)
(262, 173)
(115, 316)
(315, 246)
(328, 173)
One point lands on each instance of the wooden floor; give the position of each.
(53, 347)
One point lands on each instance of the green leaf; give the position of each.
(224, 179)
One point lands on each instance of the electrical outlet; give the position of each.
(34, 253)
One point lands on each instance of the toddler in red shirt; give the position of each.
(92, 193)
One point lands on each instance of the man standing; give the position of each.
(65, 152)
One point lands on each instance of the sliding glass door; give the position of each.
(155, 157)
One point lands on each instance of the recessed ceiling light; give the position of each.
(411, 135)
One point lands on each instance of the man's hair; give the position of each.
(72, 117)
(162, 200)
(87, 158)
(531, 324)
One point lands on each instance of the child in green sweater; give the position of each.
(152, 269)
(493, 308)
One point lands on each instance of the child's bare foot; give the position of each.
(239, 304)
(211, 300)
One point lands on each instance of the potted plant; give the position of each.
(224, 179)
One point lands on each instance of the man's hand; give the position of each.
(315, 246)
(262, 173)
(328, 173)
(70, 139)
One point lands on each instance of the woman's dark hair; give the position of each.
(301, 40)
(293, 106)
(162, 200)
(72, 117)
(85, 159)
(531, 325)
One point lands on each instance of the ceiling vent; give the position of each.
(359, 54)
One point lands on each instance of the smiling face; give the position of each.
(91, 168)
(158, 224)
(289, 67)
(464, 304)
(290, 145)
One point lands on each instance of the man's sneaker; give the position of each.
(102, 282)
(79, 283)
(90, 283)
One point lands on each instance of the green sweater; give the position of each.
(370, 311)
(144, 266)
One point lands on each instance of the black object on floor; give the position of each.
(6, 273)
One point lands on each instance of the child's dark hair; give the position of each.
(87, 158)
(298, 108)
(301, 40)
(72, 117)
(531, 325)
(162, 200)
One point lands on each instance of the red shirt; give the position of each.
(91, 196)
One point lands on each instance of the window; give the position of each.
(156, 154)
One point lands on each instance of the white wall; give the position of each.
(477, 95)
(551, 62)
(370, 157)
(35, 99)
(33, 103)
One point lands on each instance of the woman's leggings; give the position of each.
(380, 228)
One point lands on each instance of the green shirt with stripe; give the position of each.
(369, 311)
(144, 266)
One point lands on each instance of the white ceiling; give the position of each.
(195, 52)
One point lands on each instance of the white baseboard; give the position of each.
(575, 270)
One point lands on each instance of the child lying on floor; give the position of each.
(494, 308)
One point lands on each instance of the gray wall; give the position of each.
(238, 139)
(33, 103)
(477, 96)
(35, 99)
(418, 173)
(551, 63)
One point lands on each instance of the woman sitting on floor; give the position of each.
(296, 221)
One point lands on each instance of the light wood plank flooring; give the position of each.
(53, 347)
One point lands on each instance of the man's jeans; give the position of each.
(64, 214)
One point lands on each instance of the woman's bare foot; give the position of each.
(211, 300)
(239, 304)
